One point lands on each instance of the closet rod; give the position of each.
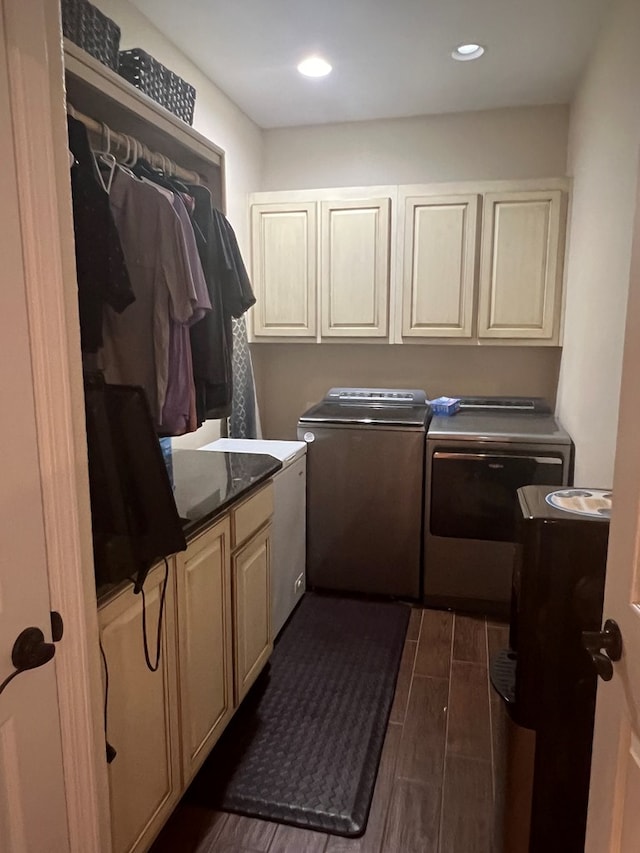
(123, 140)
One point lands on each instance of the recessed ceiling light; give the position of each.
(314, 66)
(465, 52)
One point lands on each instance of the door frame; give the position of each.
(617, 701)
(36, 81)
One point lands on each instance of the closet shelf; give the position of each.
(98, 92)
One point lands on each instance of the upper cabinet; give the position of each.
(354, 267)
(477, 263)
(438, 265)
(321, 264)
(284, 238)
(521, 265)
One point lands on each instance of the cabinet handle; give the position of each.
(502, 457)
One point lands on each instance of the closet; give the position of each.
(162, 724)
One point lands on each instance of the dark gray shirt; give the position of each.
(136, 343)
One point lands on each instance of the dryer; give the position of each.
(475, 462)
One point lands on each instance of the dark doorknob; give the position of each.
(603, 647)
(29, 652)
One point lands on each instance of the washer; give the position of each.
(475, 462)
(365, 456)
(288, 574)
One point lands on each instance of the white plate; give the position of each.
(595, 503)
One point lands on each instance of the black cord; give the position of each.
(106, 682)
(111, 753)
(147, 656)
(9, 678)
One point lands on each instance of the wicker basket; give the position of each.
(87, 27)
(161, 84)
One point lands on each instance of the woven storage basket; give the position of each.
(161, 84)
(87, 27)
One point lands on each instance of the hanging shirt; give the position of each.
(179, 404)
(237, 292)
(210, 348)
(136, 343)
(100, 266)
(202, 303)
(231, 295)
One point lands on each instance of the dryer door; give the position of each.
(473, 494)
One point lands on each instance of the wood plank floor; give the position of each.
(440, 786)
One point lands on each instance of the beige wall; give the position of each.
(603, 158)
(290, 377)
(496, 144)
(216, 116)
(512, 143)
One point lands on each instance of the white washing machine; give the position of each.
(288, 540)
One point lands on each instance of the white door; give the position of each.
(53, 780)
(33, 814)
(614, 801)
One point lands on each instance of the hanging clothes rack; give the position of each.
(133, 148)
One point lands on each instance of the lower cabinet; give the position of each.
(204, 644)
(252, 612)
(145, 779)
(215, 640)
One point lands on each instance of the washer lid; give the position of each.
(366, 415)
(499, 426)
(285, 451)
(370, 407)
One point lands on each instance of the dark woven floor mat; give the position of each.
(305, 745)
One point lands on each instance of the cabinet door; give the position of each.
(204, 643)
(284, 246)
(354, 268)
(142, 714)
(521, 265)
(439, 265)
(252, 610)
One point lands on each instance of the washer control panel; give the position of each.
(379, 396)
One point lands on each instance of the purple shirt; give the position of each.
(180, 398)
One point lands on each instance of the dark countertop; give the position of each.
(206, 484)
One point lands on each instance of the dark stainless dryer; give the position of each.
(365, 464)
(475, 462)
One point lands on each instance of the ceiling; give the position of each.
(389, 58)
